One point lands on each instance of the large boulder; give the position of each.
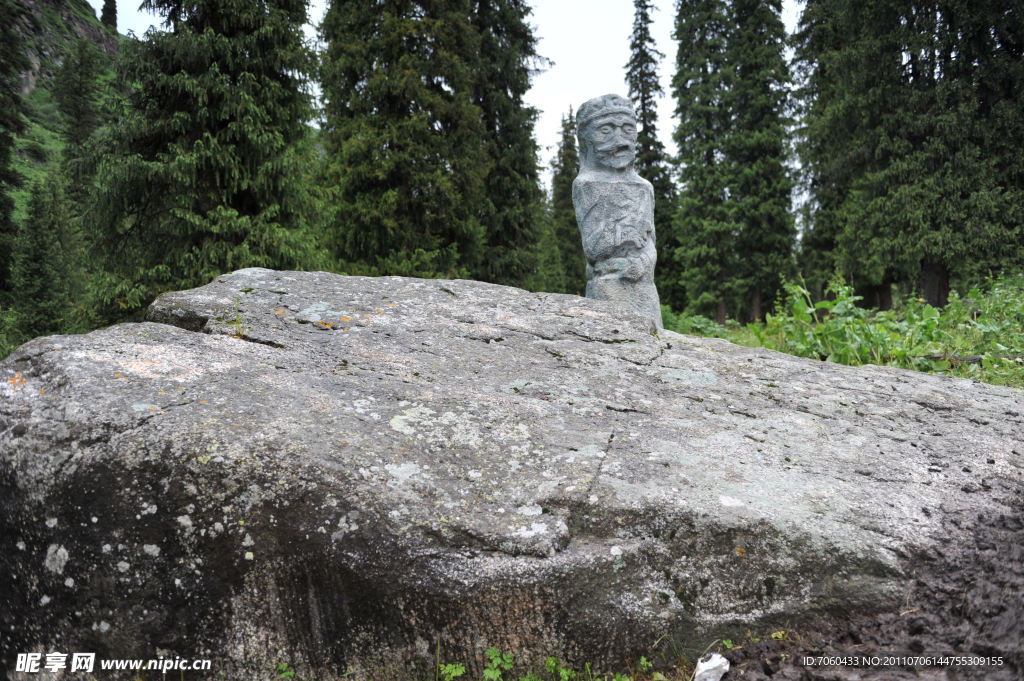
(346, 473)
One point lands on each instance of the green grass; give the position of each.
(979, 336)
(34, 152)
(498, 665)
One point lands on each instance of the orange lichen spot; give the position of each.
(42, 391)
(279, 311)
(202, 401)
(740, 552)
(392, 304)
(513, 293)
(345, 319)
(117, 375)
(152, 408)
(161, 393)
(161, 412)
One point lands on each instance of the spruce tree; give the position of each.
(912, 143)
(403, 137)
(510, 209)
(202, 175)
(565, 167)
(644, 89)
(757, 150)
(75, 88)
(38, 276)
(108, 15)
(705, 225)
(549, 275)
(12, 123)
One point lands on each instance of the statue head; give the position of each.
(606, 130)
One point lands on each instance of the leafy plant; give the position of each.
(449, 672)
(695, 325)
(499, 663)
(559, 673)
(980, 336)
(283, 672)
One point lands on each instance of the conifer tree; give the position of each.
(510, 209)
(757, 150)
(644, 89)
(549, 275)
(12, 63)
(403, 136)
(108, 15)
(38, 276)
(913, 137)
(75, 88)
(705, 225)
(565, 167)
(202, 175)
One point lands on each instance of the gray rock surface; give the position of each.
(615, 208)
(379, 466)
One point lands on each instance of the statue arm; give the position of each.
(598, 242)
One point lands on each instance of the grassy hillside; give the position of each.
(50, 28)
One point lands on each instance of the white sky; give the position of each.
(587, 39)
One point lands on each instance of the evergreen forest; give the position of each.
(835, 190)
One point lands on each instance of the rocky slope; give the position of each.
(345, 473)
(50, 27)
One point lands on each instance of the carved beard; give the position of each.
(614, 156)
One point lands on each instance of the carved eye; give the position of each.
(605, 129)
(629, 128)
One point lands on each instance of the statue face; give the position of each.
(613, 140)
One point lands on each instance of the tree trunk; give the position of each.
(755, 305)
(885, 296)
(720, 312)
(934, 283)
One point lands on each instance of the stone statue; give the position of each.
(615, 208)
